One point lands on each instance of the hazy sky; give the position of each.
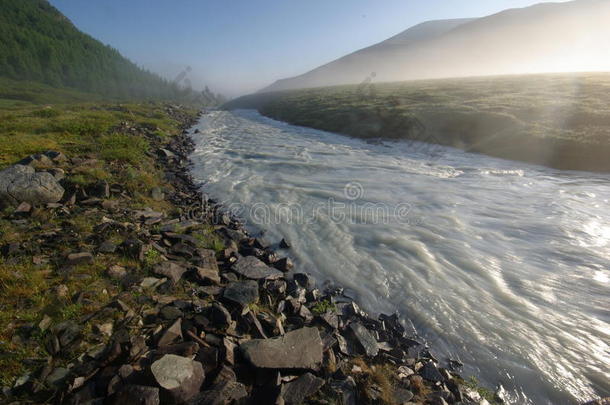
(240, 46)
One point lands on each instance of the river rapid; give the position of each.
(502, 265)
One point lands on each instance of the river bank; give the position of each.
(555, 120)
(108, 300)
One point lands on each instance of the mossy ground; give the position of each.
(34, 119)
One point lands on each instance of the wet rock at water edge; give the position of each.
(430, 372)
(284, 264)
(243, 293)
(301, 348)
(305, 280)
(253, 268)
(365, 339)
(180, 376)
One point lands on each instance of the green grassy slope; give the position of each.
(560, 120)
(39, 44)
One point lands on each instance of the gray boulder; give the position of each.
(180, 376)
(252, 268)
(22, 184)
(301, 348)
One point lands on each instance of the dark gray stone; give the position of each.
(364, 338)
(173, 333)
(305, 280)
(430, 372)
(242, 292)
(303, 387)
(252, 268)
(284, 264)
(219, 316)
(301, 348)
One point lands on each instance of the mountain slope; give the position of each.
(547, 37)
(38, 43)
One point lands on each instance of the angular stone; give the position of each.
(305, 280)
(180, 376)
(301, 348)
(430, 372)
(209, 274)
(284, 264)
(136, 394)
(171, 270)
(242, 292)
(365, 339)
(23, 208)
(297, 391)
(172, 334)
(220, 317)
(251, 267)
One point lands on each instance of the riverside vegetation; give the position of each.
(558, 120)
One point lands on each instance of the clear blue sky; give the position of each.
(240, 46)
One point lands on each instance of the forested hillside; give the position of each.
(38, 43)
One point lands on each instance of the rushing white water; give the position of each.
(501, 264)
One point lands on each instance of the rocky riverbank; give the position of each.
(186, 307)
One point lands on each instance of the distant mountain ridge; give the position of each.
(547, 37)
(40, 44)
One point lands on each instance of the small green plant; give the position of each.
(152, 257)
(485, 393)
(322, 307)
(71, 311)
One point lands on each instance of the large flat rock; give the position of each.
(252, 268)
(301, 348)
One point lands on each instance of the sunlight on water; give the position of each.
(500, 264)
